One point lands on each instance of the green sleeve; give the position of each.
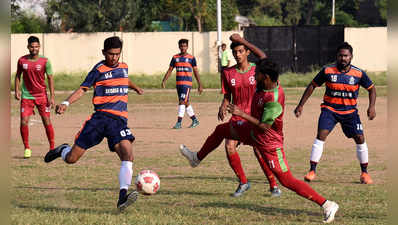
(271, 111)
(49, 69)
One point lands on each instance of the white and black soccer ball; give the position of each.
(147, 182)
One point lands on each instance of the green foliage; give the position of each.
(28, 23)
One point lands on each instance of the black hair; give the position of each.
(113, 42)
(267, 67)
(235, 44)
(345, 45)
(32, 39)
(223, 44)
(182, 41)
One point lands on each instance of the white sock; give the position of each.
(65, 151)
(125, 174)
(362, 153)
(190, 111)
(181, 110)
(317, 149)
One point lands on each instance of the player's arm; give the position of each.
(197, 77)
(166, 76)
(76, 95)
(17, 82)
(254, 49)
(372, 103)
(222, 111)
(306, 95)
(135, 88)
(50, 81)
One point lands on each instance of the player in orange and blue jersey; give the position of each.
(34, 67)
(185, 64)
(339, 106)
(111, 83)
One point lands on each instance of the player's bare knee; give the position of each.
(24, 121)
(230, 148)
(359, 139)
(46, 120)
(322, 135)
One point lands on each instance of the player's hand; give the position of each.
(60, 109)
(235, 38)
(163, 85)
(371, 113)
(222, 111)
(17, 95)
(200, 89)
(52, 102)
(298, 110)
(234, 110)
(139, 91)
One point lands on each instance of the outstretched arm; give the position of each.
(135, 88)
(76, 95)
(307, 93)
(166, 76)
(372, 103)
(254, 49)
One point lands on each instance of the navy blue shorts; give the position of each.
(183, 92)
(350, 123)
(102, 125)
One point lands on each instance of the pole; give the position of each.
(219, 32)
(333, 21)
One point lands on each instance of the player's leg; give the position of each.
(273, 186)
(352, 128)
(326, 123)
(27, 106)
(189, 110)
(44, 111)
(236, 165)
(181, 106)
(279, 166)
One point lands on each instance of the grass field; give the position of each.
(86, 192)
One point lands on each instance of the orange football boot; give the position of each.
(310, 176)
(365, 178)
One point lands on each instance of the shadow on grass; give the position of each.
(197, 193)
(47, 209)
(67, 189)
(224, 179)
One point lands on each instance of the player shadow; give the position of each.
(223, 179)
(30, 158)
(67, 189)
(177, 193)
(47, 208)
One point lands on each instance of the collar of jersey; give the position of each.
(248, 69)
(273, 89)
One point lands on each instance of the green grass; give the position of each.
(64, 81)
(86, 192)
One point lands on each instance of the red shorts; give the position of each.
(243, 130)
(42, 105)
(275, 158)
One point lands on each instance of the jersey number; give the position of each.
(233, 82)
(333, 78)
(125, 132)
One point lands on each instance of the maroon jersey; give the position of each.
(241, 85)
(33, 85)
(268, 107)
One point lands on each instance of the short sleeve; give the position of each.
(320, 78)
(172, 62)
(90, 79)
(193, 63)
(272, 110)
(49, 69)
(365, 81)
(19, 67)
(224, 84)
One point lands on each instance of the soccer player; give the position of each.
(184, 64)
(110, 81)
(34, 67)
(264, 131)
(224, 56)
(339, 106)
(239, 86)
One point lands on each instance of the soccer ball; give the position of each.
(147, 182)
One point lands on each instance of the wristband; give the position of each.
(65, 103)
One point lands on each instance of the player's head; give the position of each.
(33, 45)
(112, 49)
(240, 52)
(183, 45)
(223, 46)
(267, 73)
(344, 55)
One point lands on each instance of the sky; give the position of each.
(34, 6)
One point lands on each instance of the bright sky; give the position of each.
(34, 6)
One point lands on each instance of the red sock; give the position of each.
(25, 135)
(267, 171)
(50, 135)
(214, 140)
(236, 165)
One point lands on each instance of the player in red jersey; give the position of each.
(264, 131)
(239, 86)
(339, 106)
(185, 64)
(110, 80)
(34, 67)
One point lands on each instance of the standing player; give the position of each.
(339, 106)
(110, 81)
(34, 67)
(239, 86)
(264, 131)
(184, 64)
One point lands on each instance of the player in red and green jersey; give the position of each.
(339, 106)
(111, 83)
(185, 64)
(238, 86)
(264, 131)
(34, 68)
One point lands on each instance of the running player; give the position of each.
(184, 64)
(239, 86)
(34, 67)
(110, 81)
(339, 106)
(264, 131)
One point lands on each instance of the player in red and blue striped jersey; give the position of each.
(185, 64)
(340, 106)
(111, 83)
